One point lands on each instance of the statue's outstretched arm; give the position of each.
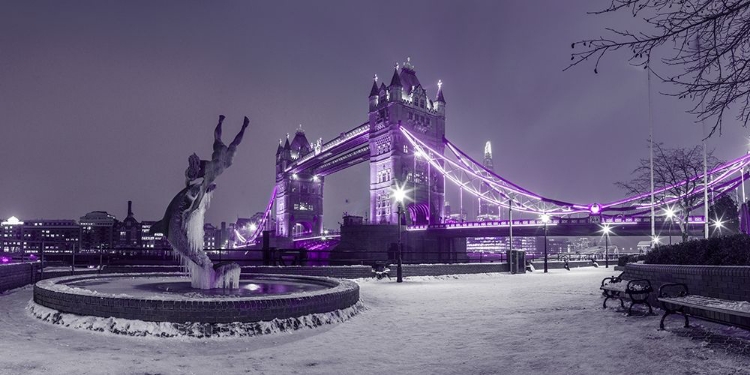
(238, 137)
(217, 131)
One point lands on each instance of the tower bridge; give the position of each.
(404, 142)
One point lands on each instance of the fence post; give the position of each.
(41, 257)
(73, 262)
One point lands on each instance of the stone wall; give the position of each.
(356, 272)
(725, 282)
(17, 275)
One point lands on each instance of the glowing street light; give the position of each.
(607, 230)
(253, 227)
(718, 225)
(656, 240)
(669, 212)
(670, 215)
(545, 219)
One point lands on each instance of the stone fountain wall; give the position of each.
(54, 294)
(17, 275)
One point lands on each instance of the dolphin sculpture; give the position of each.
(182, 224)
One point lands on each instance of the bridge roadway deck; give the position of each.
(336, 154)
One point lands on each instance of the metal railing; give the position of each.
(101, 258)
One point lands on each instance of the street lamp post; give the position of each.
(545, 220)
(606, 230)
(399, 269)
(399, 194)
(670, 216)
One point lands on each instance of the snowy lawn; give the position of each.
(474, 324)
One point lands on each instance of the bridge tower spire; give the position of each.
(393, 162)
(487, 211)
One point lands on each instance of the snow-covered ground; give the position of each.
(474, 324)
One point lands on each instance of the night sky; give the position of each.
(102, 102)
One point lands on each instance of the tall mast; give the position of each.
(651, 147)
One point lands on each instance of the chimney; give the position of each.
(130, 208)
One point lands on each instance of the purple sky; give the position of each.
(102, 102)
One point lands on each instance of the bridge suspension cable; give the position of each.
(472, 176)
(263, 221)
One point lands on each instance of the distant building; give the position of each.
(132, 234)
(98, 230)
(211, 236)
(129, 231)
(555, 245)
(55, 236)
(31, 236)
(152, 240)
(11, 233)
(643, 246)
(501, 244)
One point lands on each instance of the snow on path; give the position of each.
(475, 324)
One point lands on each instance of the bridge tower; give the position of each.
(299, 196)
(393, 163)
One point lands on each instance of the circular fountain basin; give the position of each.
(168, 297)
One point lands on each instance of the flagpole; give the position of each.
(705, 161)
(651, 146)
(705, 183)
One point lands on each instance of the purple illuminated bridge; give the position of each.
(404, 142)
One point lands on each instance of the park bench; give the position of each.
(381, 270)
(295, 257)
(674, 298)
(637, 291)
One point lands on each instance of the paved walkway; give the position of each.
(478, 324)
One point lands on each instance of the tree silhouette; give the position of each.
(724, 211)
(709, 46)
(672, 166)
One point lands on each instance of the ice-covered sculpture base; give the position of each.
(221, 275)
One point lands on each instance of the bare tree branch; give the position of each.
(672, 166)
(710, 42)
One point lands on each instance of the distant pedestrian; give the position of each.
(566, 265)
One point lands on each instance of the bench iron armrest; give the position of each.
(673, 290)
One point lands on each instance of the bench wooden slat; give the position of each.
(687, 302)
(622, 287)
(637, 291)
(616, 287)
